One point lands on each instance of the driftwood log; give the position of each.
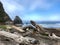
(52, 33)
(17, 28)
(18, 38)
(37, 27)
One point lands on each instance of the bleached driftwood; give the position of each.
(48, 31)
(40, 29)
(17, 38)
(17, 28)
(54, 37)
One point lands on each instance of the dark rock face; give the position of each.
(17, 20)
(3, 15)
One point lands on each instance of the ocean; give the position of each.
(57, 25)
(48, 24)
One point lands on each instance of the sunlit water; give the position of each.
(57, 25)
(51, 25)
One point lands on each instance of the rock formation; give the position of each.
(17, 20)
(3, 15)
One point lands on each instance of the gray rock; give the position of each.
(17, 20)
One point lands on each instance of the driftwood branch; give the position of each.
(17, 38)
(50, 32)
(54, 37)
(17, 28)
(39, 28)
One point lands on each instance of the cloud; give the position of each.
(54, 17)
(27, 9)
(41, 4)
(33, 17)
(12, 6)
(27, 5)
(39, 17)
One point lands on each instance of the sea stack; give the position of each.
(17, 21)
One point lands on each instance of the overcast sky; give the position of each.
(38, 10)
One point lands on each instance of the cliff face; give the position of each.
(3, 15)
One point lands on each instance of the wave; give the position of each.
(57, 25)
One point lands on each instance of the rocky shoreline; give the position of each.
(29, 35)
(13, 32)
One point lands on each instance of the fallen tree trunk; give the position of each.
(43, 30)
(17, 28)
(17, 38)
(40, 29)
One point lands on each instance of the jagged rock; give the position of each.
(3, 15)
(17, 20)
